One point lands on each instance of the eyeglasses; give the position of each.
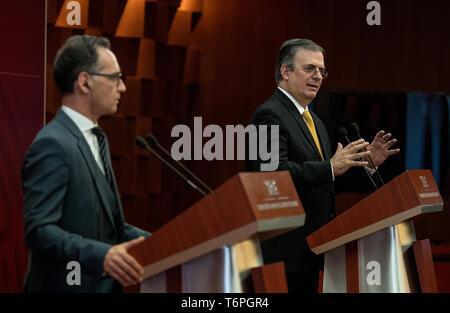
(310, 68)
(117, 76)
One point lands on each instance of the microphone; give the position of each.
(343, 132)
(151, 139)
(143, 144)
(355, 128)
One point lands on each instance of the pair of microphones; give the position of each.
(149, 141)
(344, 134)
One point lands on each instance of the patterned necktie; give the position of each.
(312, 129)
(101, 138)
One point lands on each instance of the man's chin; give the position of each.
(110, 111)
(115, 109)
(311, 95)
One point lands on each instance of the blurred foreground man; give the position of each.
(72, 210)
(304, 150)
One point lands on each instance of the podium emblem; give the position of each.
(272, 188)
(424, 181)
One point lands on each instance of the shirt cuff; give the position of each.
(332, 172)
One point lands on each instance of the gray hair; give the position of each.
(78, 54)
(287, 53)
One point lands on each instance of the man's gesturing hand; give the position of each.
(380, 148)
(121, 266)
(345, 158)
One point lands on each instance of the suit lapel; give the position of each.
(300, 122)
(90, 161)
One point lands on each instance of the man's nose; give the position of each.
(317, 74)
(122, 88)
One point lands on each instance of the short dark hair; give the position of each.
(78, 54)
(287, 53)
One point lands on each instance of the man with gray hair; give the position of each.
(73, 219)
(305, 151)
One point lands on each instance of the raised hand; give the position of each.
(380, 146)
(345, 158)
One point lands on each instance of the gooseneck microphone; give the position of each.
(344, 134)
(355, 128)
(151, 139)
(143, 144)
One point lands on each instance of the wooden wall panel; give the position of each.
(106, 14)
(146, 61)
(126, 51)
(160, 16)
(131, 22)
(170, 62)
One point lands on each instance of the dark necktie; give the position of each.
(101, 138)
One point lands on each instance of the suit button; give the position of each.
(331, 215)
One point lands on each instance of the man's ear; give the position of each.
(83, 82)
(284, 70)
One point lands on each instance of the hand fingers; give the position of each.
(130, 269)
(358, 163)
(339, 147)
(390, 143)
(133, 265)
(133, 242)
(356, 147)
(356, 142)
(118, 274)
(360, 155)
(379, 134)
(126, 272)
(393, 151)
(387, 136)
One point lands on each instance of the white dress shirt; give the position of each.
(299, 107)
(85, 125)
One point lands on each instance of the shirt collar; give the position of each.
(299, 107)
(82, 122)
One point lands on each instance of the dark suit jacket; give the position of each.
(311, 175)
(70, 211)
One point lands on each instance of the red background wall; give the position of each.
(22, 33)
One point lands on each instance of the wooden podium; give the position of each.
(371, 247)
(213, 246)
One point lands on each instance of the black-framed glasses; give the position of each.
(311, 68)
(117, 76)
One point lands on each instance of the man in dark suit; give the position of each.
(72, 210)
(305, 151)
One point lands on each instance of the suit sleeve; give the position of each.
(132, 232)
(309, 173)
(45, 175)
